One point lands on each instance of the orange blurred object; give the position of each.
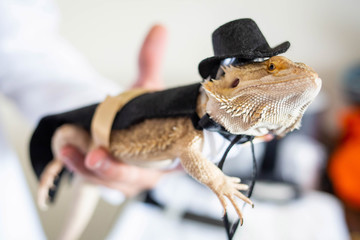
(344, 166)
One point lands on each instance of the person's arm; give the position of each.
(98, 166)
(40, 71)
(43, 74)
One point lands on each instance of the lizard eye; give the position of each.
(271, 67)
(235, 83)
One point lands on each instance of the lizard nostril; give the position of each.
(235, 83)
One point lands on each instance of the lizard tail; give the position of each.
(51, 173)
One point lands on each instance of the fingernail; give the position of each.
(93, 163)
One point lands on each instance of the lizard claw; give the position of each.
(230, 189)
(241, 221)
(47, 179)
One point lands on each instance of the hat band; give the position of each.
(236, 62)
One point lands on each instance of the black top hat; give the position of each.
(241, 39)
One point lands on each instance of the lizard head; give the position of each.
(261, 98)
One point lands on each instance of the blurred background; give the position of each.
(323, 34)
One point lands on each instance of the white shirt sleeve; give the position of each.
(40, 71)
(42, 74)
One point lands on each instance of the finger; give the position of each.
(268, 137)
(265, 138)
(100, 162)
(151, 57)
(73, 159)
(96, 157)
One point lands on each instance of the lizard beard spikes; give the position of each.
(259, 98)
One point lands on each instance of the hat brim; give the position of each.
(206, 66)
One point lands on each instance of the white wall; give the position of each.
(323, 34)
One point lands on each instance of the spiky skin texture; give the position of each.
(256, 99)
(269, 97)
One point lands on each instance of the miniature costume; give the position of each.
(226, 44)
(250, 98)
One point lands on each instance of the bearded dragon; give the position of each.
(268, 97)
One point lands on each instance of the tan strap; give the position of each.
(105, 114)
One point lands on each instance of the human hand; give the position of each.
(98, 166)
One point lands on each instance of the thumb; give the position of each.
(151, 57)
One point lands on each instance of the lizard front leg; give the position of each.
(207, 173)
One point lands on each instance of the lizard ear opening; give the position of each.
(235, 83)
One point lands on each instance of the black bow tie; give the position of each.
(209, 124)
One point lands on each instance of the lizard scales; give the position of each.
(254, 99)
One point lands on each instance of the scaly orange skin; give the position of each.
(255, 99)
